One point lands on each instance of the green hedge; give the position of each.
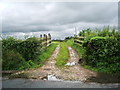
(103, 53)
(19, 54)
(24, 54)
(29, 48)
(12, 60)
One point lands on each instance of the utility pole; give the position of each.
(75, 32)
(75, 35)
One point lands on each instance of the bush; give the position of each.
(103, 52)
(19, 54)
(24, 54)
(29, 48)
(10, 43)
(12, 60)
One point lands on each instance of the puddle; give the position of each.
(71, 64)
(104, 78)
(52, 78)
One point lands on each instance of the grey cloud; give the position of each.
(33, 17)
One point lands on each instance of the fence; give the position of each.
(45, 40)
(78, 39)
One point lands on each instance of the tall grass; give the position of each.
(63, 55)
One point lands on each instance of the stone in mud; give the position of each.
(44, 79)
(71, 64)
(52, 78)
(47, 68)
(66, 71)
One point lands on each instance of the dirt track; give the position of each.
(75, 72)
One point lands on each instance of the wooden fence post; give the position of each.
(41, 36)
(41, 40)
(46, 40)
(49, 37)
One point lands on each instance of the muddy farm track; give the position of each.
(72, 74)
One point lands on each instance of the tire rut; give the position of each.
(76, 72)
(48, 68)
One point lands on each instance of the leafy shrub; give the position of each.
(12, 60)
(29, 48)
(102, 52)
(19, 54)
(24, 54)
(86, 32)
(10, 43)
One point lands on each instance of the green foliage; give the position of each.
(105, 32)
(103, 52)
(46, 54)
(12, 60)
(23, 54)
(101, 49)
(29, 48)
(63, 55)
(9, 43)
(68, 38)
(85, 32)
(70, 42)
(77, 47)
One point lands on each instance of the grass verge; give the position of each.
(78, 48)
(40, 59)
(63, 55)
(45, 54)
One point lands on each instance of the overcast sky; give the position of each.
(58, 18)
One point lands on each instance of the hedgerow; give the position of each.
(102, 51)
(23, 54)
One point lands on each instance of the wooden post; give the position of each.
(41, 41)
(41, 36)
(49, 36)
(46, 40)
